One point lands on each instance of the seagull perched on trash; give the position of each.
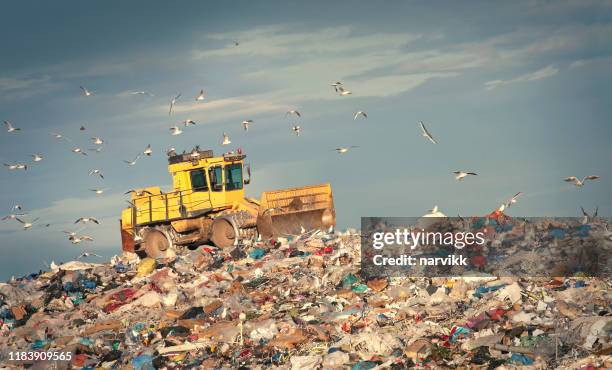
(148, 151)
(360, 113)
(588, 218)
(78, 150)
(96, 172)
(175, 131)
(37, 157)
(426, 133)
(85, 220)
(10, 128)
(580, 183)
(88, 254)
(246, 123)
(226, 139)
(460, 175)
(200, 96)
(296, 130)
(132, 163)
(173, 102)
(189, 122)
(97, 140)
(293, 111)
(26, 225)
(343, 150)
(86, 92)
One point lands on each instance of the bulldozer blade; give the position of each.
(296, 210)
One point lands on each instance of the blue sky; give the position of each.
(518, 92)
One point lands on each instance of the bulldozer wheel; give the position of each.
(155, 242)
(223, 234)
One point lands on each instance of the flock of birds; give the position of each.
(77, 237)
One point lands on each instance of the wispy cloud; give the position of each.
(540, 74)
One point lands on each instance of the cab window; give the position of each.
(233, 176)
(216, 181)
(198, 180)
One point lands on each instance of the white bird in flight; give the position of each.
(97, 141)
(336, 85)
(343, 91)
(98, 191)
(175, 130)
(293, 111)
(86, 92)
(88, 254)
(460, 175)
(589, 218)
(141, 93)
(78, 239)
(85, 220)
(200, 96)
(360, 113)
(343, 150)
(426, 133)
(173, 102)
(16, 166)
(96, 172)
(513, 200)
(37, 157)
(26, 225)
(97, 150)
(296, 130)
(226, 139)
(10, 128)
(78, 151)
(132, 163)
(246, 123)
(189, 122)
(148, 151)
(580, 183)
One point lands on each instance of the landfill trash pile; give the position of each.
(298, 303)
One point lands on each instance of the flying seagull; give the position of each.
(296, 130)
(88, 254)
(246, 123)
(98, 191)
(133, 163)
(138, 193)
(141, 93)
(86, 92)
(360, 113)
(426, 133)
(16, 166)
(200, 96)
(189, 122)
(460, 175)
(82, 128)
(513, 200)
(173, 102)
(579, 183)
(97, 150)
(37, 157)
(60, 136)
(78, 239)
(85, 220)
(342, 150)
(226, 139)
(26, 225)
(13, 216)
(10, 128)
(78, 151)
(175, 130)
(293, 111)
(236, 43)
(588, 218)
(97, 141)
(96, 172)
(336, 85)
(148, 151)
(343, 91)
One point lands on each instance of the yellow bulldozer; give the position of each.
(208, 205)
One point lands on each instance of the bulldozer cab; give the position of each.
(207, 183)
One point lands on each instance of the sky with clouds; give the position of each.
(518, 92)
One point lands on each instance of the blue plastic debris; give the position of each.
(557, 233)
(521, 359)
(257, 253)
(486, 289)
(364, 365)
(143, 362)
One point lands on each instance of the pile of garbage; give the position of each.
(298, 302)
